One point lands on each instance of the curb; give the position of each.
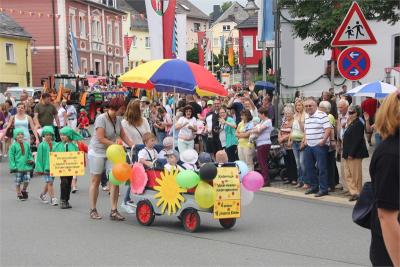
(328, 198)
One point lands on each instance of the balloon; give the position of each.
(121, 171)
(253, 181)
(208, 171)
(243, 169)
(204, 195)
(112, 179)
(116, 154)
(246, 197)
(187, 179)
(138, 178)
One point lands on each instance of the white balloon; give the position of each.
(246, 196)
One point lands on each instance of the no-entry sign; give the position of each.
(353, 63)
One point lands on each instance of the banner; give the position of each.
(266, 25)
(127, 44)
(67, 163)
(168, 26)
(227, 188)
(75, 68)
(201, 45)
(154, 13)
(181, 24)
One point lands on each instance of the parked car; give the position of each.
(16, 92)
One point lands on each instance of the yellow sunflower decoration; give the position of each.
(169, 192)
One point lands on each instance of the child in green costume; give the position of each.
(42, 165)
(20, 162)
(67, 136)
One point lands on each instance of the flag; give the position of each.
(266, 21)
(168, 26)
(201, 45)
(180, 38)
(74, 67)
(127, 44)
(231, 57)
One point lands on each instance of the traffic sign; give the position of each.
(353, 63)
(354, 29)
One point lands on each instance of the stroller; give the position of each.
(276, 164)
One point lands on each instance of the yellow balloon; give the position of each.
(204, 195)
(116, 154)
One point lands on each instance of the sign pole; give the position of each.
(354, 84)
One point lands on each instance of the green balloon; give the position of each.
(187, 179)
(112, 179)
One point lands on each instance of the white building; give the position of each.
(299, 68)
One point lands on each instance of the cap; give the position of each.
(144, 99)
(204, 157)
(210, 102)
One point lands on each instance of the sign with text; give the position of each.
(227, 188)
(67, 163)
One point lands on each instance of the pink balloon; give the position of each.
(253, 181)
(138, 178)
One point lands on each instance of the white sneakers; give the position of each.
(128, 208)
(54, 201)
(45, 199)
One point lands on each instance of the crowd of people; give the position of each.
(314, 133)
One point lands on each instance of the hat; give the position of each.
(47, 130)
(204, 157)
(17, 131)
(71, 134)
(189, 156)
(144, 99)
(172, 152)
(168, 141)
(82, 110)
(210, 102)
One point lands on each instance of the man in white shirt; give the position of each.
(317, 129)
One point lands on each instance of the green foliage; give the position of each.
(193, 55)
(318, 20)
(226, 5)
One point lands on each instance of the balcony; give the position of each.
(97, 47)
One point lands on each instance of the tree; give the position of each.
(193, 55)
(319, 20)
(225, 6)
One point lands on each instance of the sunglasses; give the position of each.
(352, 112)
(308, 106)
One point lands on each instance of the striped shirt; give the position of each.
(314, 127)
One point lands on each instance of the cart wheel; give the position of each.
(191, 220)
(145, 213)
(227, 223)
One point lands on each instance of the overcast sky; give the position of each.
(207, 5)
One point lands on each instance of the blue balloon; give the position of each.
(243, 169)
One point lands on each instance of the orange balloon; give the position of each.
(121, 171)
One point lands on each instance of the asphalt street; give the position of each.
(275, 230)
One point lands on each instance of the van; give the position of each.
(16, 92)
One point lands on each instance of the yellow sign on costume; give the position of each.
(227, 187)
(67, 163)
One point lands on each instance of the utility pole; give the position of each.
(276, 12)
(264, 62)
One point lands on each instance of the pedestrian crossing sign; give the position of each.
(354, 29)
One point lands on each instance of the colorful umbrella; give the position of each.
(262, 85)
(376, 89)
(173, 75)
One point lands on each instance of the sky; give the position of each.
(207, 5)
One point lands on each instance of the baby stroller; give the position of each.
(276, 164)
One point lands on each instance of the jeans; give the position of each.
(65, 187)
(317, 155)
(127, 194)
(299, 157)
(161, 136)
(262, 158)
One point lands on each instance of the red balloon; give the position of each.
(121, 171)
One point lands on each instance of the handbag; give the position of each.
(363, 207)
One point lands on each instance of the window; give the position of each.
(99, 35)
(147, 44)
(396, 61)
(72, 21)
(10, 54)
(109, 33)
(248, 46)
(117, 68)
(134, 39)
(82, 26)
(116, 32)
(110, 68)
(226, 28)
(83, 65)
(196, 27)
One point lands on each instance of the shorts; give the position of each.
(22, 177)
(97, 165)
(197, 139)
(48, 179)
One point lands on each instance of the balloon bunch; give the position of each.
(121, 170)
(251, 181)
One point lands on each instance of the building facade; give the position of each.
(15, 55)
(96, 26)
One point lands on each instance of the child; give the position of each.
(42, 165)
(20, 162)
(67, 135)
(256, 124)
(168, 144)
(148, 155)
(83, 124)
(172, 159)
